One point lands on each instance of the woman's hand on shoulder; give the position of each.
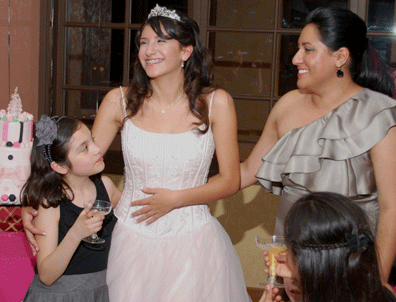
(113, 192)
(109, 119)
(28, 214)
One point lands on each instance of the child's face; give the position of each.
(85, 156)
(292, 290)
(292, 284)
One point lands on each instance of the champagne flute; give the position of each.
(273, 245)
(104, 208)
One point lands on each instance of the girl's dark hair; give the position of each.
(340, 27)
(330, 269)
(198, 69)
(44, 183)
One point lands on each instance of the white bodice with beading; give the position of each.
(158, 160)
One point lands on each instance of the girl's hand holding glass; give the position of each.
(101, 208)
(282, 270)
(271, 295)
(273, 245)
(87, 222)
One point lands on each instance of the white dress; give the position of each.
(186, 255)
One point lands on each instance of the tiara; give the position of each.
(159, 11)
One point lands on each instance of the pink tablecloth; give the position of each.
(16, 266)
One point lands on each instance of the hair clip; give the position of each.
(46, 131)
(159, 11)
(357, 242)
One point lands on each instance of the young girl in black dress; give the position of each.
(64, 182)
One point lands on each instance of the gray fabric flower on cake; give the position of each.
(46, 131)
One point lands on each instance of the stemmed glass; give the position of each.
(104, 208)
(273, 245)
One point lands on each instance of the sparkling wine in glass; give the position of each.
(273, 245)
(104, 208)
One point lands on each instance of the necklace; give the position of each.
(163, 109)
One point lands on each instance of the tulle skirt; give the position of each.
(202, 265)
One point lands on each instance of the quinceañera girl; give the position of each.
(166, 245)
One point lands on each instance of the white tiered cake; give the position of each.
(15, 148)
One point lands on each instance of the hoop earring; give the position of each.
(340, 73)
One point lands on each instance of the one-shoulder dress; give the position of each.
(186, 255)
(331, 154)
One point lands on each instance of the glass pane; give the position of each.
(95, 11)
(82, 103)
(252, 115)
(141, 9)
(94, 57)
(243, 62)
(386, 48)
(295, 11)
(380, 16)
(287, 75)
(133, 51)
(242, 14)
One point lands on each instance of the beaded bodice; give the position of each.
(158, 160)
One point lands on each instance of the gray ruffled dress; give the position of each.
(331, 154)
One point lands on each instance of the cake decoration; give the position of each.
(15, 148)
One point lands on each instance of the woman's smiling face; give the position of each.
(316, 63)
(159, 56)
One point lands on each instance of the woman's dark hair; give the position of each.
(44, 183)
(198, 69)
(331, 266)
(340, 27)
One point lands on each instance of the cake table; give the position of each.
(16, 258)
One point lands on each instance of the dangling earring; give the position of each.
(182, 64)
(340, 73)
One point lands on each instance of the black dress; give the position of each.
(85, 277)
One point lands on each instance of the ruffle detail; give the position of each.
(332, 152)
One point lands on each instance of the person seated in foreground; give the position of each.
(331, 255)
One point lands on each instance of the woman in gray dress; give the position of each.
(336, 131)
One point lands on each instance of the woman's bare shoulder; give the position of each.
(114, 96)
(113, 104)
(290, 99)
(220, 96)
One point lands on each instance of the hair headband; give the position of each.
(46, 132)
(352, 241)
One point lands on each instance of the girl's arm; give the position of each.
(108, 120)
(53, 259)
(112, 191)
(383, 156)
(226, 183)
